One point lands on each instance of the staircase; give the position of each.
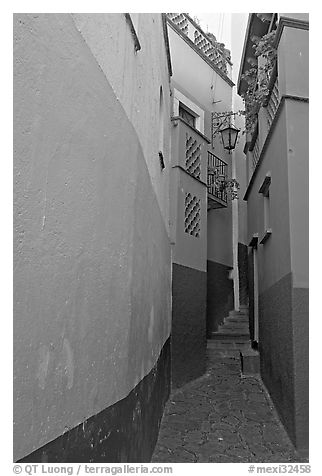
(232, 339)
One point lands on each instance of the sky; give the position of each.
(228, 28)
(216, 23)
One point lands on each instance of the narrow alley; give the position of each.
(160, 238)
(223, 417)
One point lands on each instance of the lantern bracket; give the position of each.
(221, 120)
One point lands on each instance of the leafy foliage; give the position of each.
(258, 76)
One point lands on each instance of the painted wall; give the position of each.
(200, 83)
(188, 333)
(275, 255)
(189, 255)
(197, 79)
(135, 79)
(188, 250)
(298, 178)
(284, 258)
(293, 62)
(92, 264)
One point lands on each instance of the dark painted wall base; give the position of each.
(220, 295)
(251, 292)
(243, 273)
(188, 339)
(124, 432)
(283, 345)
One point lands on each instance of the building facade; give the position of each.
(277, 205)
(92, 253)
(201, 218)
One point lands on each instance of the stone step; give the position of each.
(233, 330)
(224, 353)
(214, 345)
(230, 336)
(234, 325)
(250, 361)
(238, 313)
(236, 319)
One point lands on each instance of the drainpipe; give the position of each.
(234, 205)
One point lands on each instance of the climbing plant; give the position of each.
(231, 186)
(258, 76)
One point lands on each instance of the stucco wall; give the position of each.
(274, 257)
(219, 241)
(283, 258)
(298, 176)
(293, 62)
(200, 83)
(92, 270)
(188, 249)
(197, 79)
(188, 333)
(136, 79)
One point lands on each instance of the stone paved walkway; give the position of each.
(223, 417)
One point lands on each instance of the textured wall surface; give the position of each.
(194, 77)
(188, 335)
(220, 294)
(189, 200)
(198, 81)
(298, 176)
(293, 61)
(92, 270)
(243, 273)
(251, 292)
(283, 344)
(300, 304)
(124, 432)
(136, 79)
(274, 257)
(283, 260)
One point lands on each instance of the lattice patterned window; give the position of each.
(193, 156)
(180, 20)
(192, 215)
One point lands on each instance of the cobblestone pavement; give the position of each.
(223, 417)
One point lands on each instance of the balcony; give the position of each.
(273, 99)
(205, 44)
(265, 123)
(217, 173)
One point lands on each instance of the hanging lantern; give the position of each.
(229, 137)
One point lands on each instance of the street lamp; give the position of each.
(229, 137)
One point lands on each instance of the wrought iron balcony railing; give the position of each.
(256, 152)
(217, 175)
(268, 113)
(273, 102)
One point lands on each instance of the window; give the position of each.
(187, 115)
(189, 111)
